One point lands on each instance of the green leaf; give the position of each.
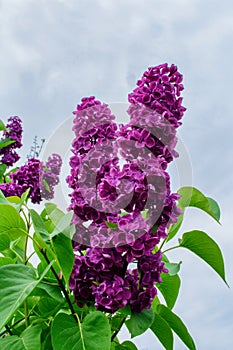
(155, 302)
(174, 228)
(4, 242)
(112, 225)
(163, 332)
(6, 142)
(29, 340)
(64, 252)
(48, 307)
(214, 208)
(92, 334)
(6, 261)
(11, 222)
(177, 325)
(173, 268)
(48, 291)
(201, 244)
(55, 220)
(46, 343)
(126, 345)
(114, 344)
(192, 197)
(16, 202)
(140, 322)
(46, 185)
(18, 246)
(40, 268)
(3, 199)
(64, 225)
(39, 225)
(12, 200)
(24, 197)
(32, 301)
(3, 168)
(16, 284)
(145, 214)
(125, 311)
(123, 213)
(53, 212)
(39, 244)
(2, 125)
(169, 288)
(47, 221)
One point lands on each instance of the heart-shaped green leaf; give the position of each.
(140, 322)
(93, 333)
(11, 222)
(169, 288)
(29, 340)
(206, 248)
(16, 284)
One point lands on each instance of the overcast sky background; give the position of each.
(54, 52)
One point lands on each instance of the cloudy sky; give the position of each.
(53, 52)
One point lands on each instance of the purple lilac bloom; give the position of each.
(142, 297)
(159, 89)
(149, 129)
(50, 176)
(29, 176)
(10, 189)
(93, 127)
(112, 295)
(13, 131)
(105, 191)
(81, 279)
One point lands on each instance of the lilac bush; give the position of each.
(103, 263)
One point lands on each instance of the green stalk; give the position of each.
(162, 244)
(61, 285)
(167, 250)
(27, 323)
(118, 330)
(8, 329)
(26, 313)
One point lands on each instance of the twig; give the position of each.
(167, 250)
(7, 330)
(118, 330)
(61, 285)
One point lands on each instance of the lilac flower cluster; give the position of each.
(128, 207)
(50, 176)
(143, 288)
(159, 89)
(32, 175)
(14, 132)
(28, 176)
(92, 126)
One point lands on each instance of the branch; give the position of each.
(61, 285)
